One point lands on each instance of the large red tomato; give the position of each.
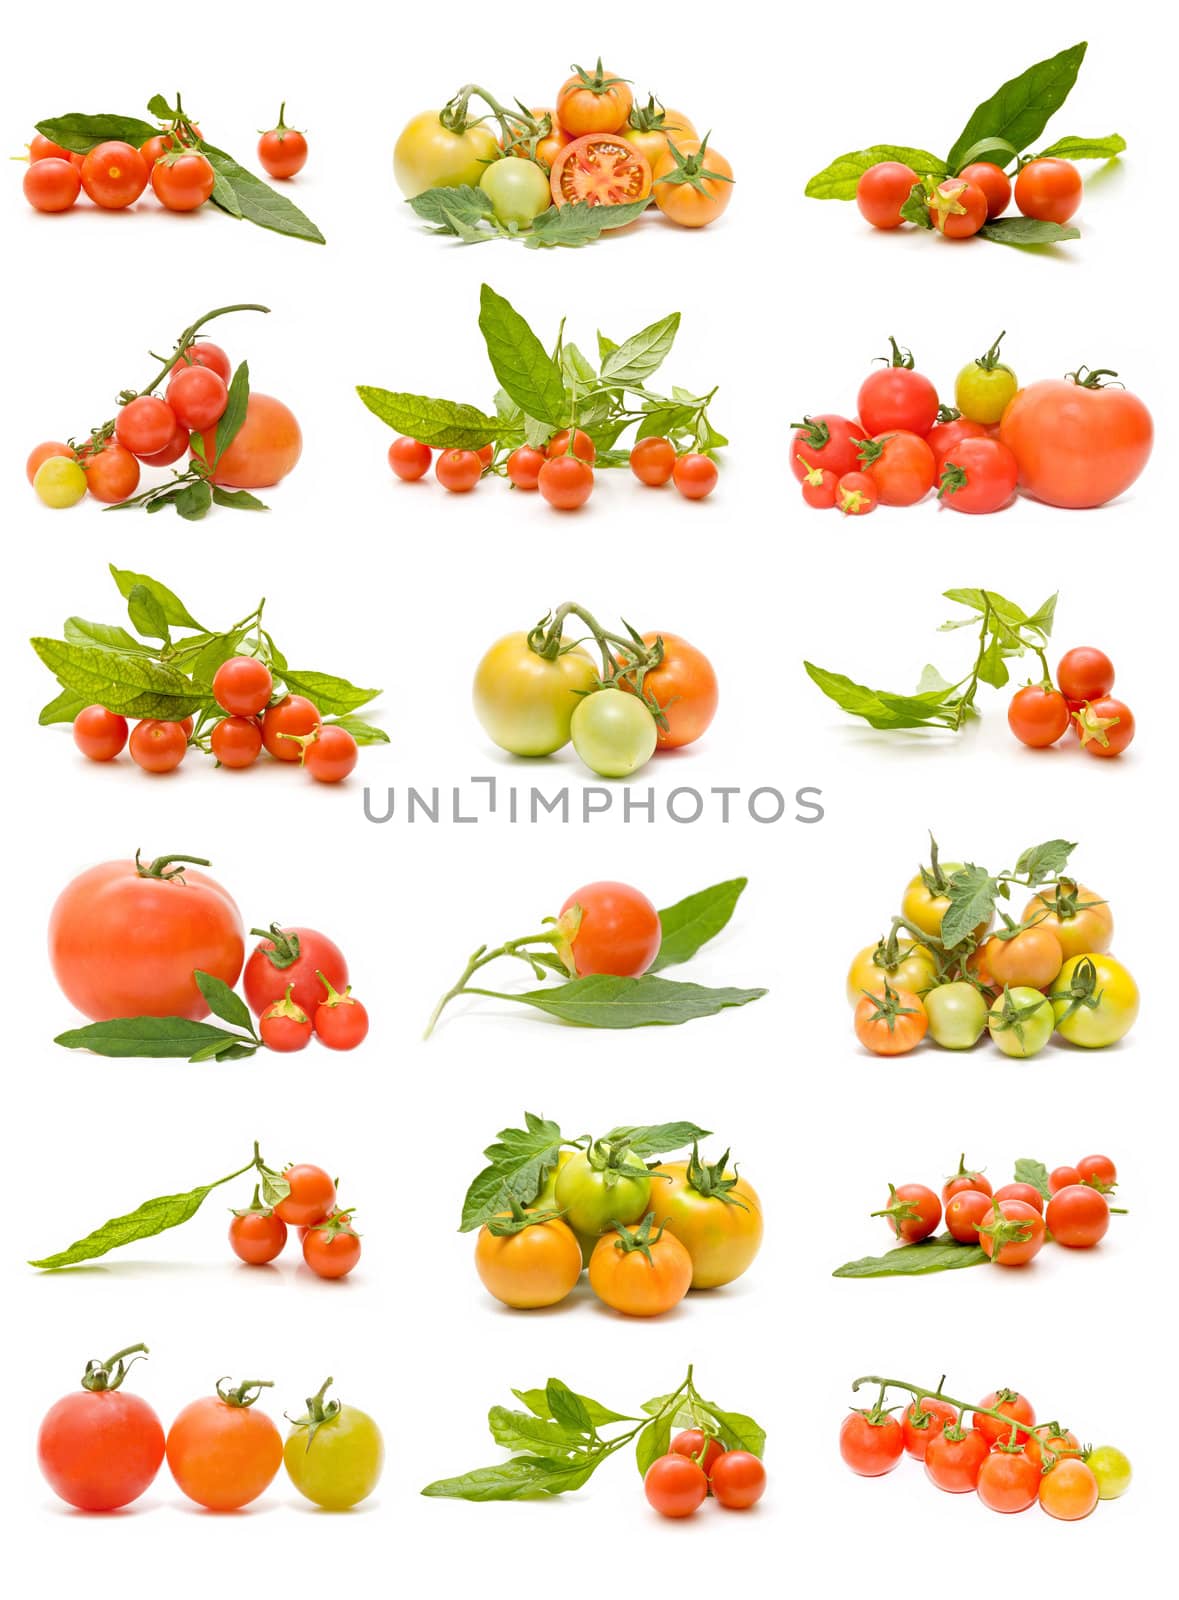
(1077, 444)
(266, 447)
(126, 936)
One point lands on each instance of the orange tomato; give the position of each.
(536, 1266)
(1032, 958)
(267, 446)
(602, 170)
(891, 1022)
(222, 1452)
(1069, 1490)
(593, 102)
(1081, 920)
(685, 687)
(640, 1282)
(700, 189)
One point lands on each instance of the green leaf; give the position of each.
(442, 424)
(1045, 861)
(606, 1002)
(237, 499)
(521, 1478)
(940, 1254)
(580, 223)
(567, 1409)
(972, 900)
(737, 1431)
(916, 207)
(134, 686)
(363, 732)
(1019, 110)
(213, 654)
(521, 363)
(660, 1140)
(147, 614)
(519, 1430)
(930, 707)
(62, 708)
(1035, 1173)
(1073, 149)
(521, 1160)
(256, 201)
(537, 1401)
(78, 131)
(838, 181)
(652, 1443)
(106, 635)
(638, 357)
(152, 1217)
(1026, 230)
(449, 209)
(223, 1002)
(329, 694)
(692, 922)
(158, 1038)
(192, 500)
(234, 414)
(174, 608)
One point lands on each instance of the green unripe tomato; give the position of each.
(591, 1199)
(613, 733)
(428, 155)
(59, 482)
(1111, 1469)
(526, 703)
(336, 1464)
(518, 190)
(984, 388)
(1023, 1035)
(957, 1015)
(1114, 990)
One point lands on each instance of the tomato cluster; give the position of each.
(100, 1448)
(646, 1234)
(1071, 442)
(1046, 189)
(561, 469)
(296, 984)
(1001, 1453)
(331, 1246)
(698, 1466)
(1040, 713)
(594, 147)
(536, 692)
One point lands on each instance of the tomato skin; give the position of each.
(145, 425)
(917, 1434)
(114, 174)
(1083, 923)
(904, 470)
(1112, 1470)
(429, 156)
(45, 452)
(583, 446)
(820, 489)
(693, 204)
(1008, 1481)
(619, 933)
(978, 476)
(591, 1199)
(953, 1464)
(701, 1448)
(1077, 447)
(198, 397)
(185, 183)
(222, 1455)
(566, 482)
(856, 494)
(458, 470)
(897, 399)
(906, 1030)
(266, 448)
(1026, 1192)
(964, 1211)
(1098, 1171)
(112, 474)
(284, 1027)
(629, 1282)
(882, 191)
(312, 1196)
(331, 1253)
(342, 1023)
(158, 746)
(256, 1237)
(1078, 1216)
(1010, 1404)
(675, 1486)
(993, 182)
(1115, 1013)
(1032, 958)
(1068, 1490)
(653, 461)
(52, 185)
(236, 742)
(871, 1448)
(684, 685)
(946, 435)
(601, 170)
(738, 1480)
(523, 467)
(122, 945)
(1013, 1252)
(332, 755)
(613, 733)
(695, 476)
(242, 686)
(826, 440)
(99, 734)
(340, 1464)
(283, 725)
(282, 151)
(958, 208)
(722, 1235)
(1048, 189)
(524, 703)
(536, 1267)
(920, 1212)
(592, 103)
(409, 459)
(1105, 727)
(1085, 673)
(957, 1015)
(266, 980)
(100, 1450)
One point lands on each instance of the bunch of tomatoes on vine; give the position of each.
(559, 175)
(1074, 442)
(945, 970)
(1000, 1453)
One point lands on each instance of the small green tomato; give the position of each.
(1111, 1469)
(518, 190)
(957, 1015)
(984, 387)
(1021, 1022)
(59, 482)
(613, 733)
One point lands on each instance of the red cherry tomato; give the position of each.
(1008, 1404)
(993, 182)
(523, 467)
(901, 465)
(977, 476)
(871, 1446)
(145, 425)
(964, 1211)
(953, 1459)
(704, 1450)
(653, 461)
(158, 746)
(236, 742)
(204, 353)
(1077, 1216)
(287, 724)
(1048, 189)
(341, 1022)
(820, 489)
(942, 438)
(1085, 673)
(675, 1486)
(738, 1480)
(312, 1196)
(410, 459)
(856, 494)
(257, 1236)
(1026, 1192)
(331, 755)
(882, 191)
(826, 440)
(897, 397)
(695, 476)
(100, 1447)
(923, 1421)
(183, 182)
(242, 686)
(52, 184)
(198, 396)
(282, 150)
(1105, 726)
(1038, 716)
(458, 470)
(285, 1026)
(112, 473)
(566, 482)
(957, 208)
(331, 1249)
(99, 734)
(618, 933)
(583, 446)
(295, 957)
(114, 174)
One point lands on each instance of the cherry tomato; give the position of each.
(1111, 1469)
(820, 489)
(684, 686)
(618, 931)
(890, 1022)
(593, 102)
(738, 1480)
(953, 1458)
(599, 170)
(566, 482)
(977, 476)
(51, 450)
(429, 155)
(703, 1449)
(1105, 726)
(334, 1454)
(332, 1248)
(197, 396)
(693, 183)
(957, 208)
(913, 1211)
(583, 446)
(963, 1180)
(1068, 1490)
(946, 435)
(1077, 443)
(993, 182)
(897, 397)
(640, 1282)
(112, 474)
(236, 742)
(331, 755)
(923, 1420)
(99, 734)
(282, 150)
(286, 725)
(265, 448)
(294, 957)
(312, 1196)
(1048, 189)
(158, 746)
(410, 459)
(222, 1452)
(1077, 1216)
(114, 174)
(871, 1445)
(1008, 1481)
(985, 387)
(1009, 1404)
(901, 466)
(523, 466)
(613, 733)
(242, 686)
(285, 1026)
(528, 1267)
(1012, 1234)
(52, 184)
(341, 1022)
(204, 353)
(1062, 1178)
(100, 1448)
(1038, 716)
(458, 470)
(828, 441)
(695, 475)
(1031, 958)
(964, 1211)
(675, 1486)
(524, 702)
(653, 461)
(183, 182)
(145, 425)
(882, 191)
(1027, 1192)
(257, 1235)
(856, 494)
(43, 149)
(1098, 1171)
(1047, 1441)
(1095, 1000)
(1085, 673)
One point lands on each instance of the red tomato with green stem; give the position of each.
(977, 476)
(583, 446)
(1078, 443)
(871, 1442)
(901, 465)
(738, 1480)
(282, 150)
(331, 754)
(204, 353)
(99, 1448)
(112, 473)
(236, 742)
(1069, 1489)
(954, 1457)
(957, 208)
(913, 1211)
(1098, 1171)
(1008, 1480)
(1048, 189)
(523, 467)
(285, 1026)
(287, 724)
(312, 1196)
(292, 958)
(1085, 673)
(566, 482)
(882, 191)
(183, 182)
(1078, 1216)
(257, 1235)
(1038, 715)
(1009, 1404)
(593, 101)
(332, 1248)
(198, 397)
(923, 1420)
(223, 1454)
(1012, 1234)
(242, 686)
(994, 183)
(684, 686)
(826, 440)
(610, 928)
(1105, 727)
(892, 1022)
(856, 494)
(99, 734)
(897, 398)
(410, 459)
(341, 1022)
(964, 1211)
(675, 1486)
(703, 1449)
(52, 185)
(145, 425)
(820, 489)
(965, 1178)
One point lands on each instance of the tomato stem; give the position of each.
(936, 1394)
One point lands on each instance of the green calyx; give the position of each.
(162, 867)
(640, 1239)
(105, 1376)
(693, 169)
(244, 1394)
(285, 945)
(319, 1411)
(519, 1220)
(712, 1181)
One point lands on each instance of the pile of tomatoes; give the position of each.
(1010, 1223)
(1080, 703)
(100, 1447)
(595, 147)
(1001, 1454)
(1045, 188)
(562, 470)
(289, 730)
(646, 1235)
(331, 1246)
(533, 704)
(698, 1467)
(1072, 442)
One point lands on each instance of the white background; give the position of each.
(784, 304)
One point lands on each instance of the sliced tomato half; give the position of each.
(601, 169)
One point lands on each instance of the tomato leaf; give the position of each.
(1035, 1173)
(692, 922)
(191, 500)
(838, 181)
(607, 1002)
(147, 614)
(456, 211)
(237, 499)
(521, 1160)
(363, 732)
(63, 708)
(1074, 149)
(737, 1431)
(175, 610)
(236, 405)
(79, 131)
(879, 708)
(523, 366)
(442, 424)
(521, 1478)
(1019, 110)
(579, 223)
(1045, 861)
(158, 1038)
(256, 201)
(567, 1409)
(329, 694)
(134, 686)
(642, 354)
(941, 1254)
(652, 1443)
(537, 1401)
(519, 1430)
(972, 894)
(105, 635)
(659, 1140)
(223, 1002)
(1026, 230)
